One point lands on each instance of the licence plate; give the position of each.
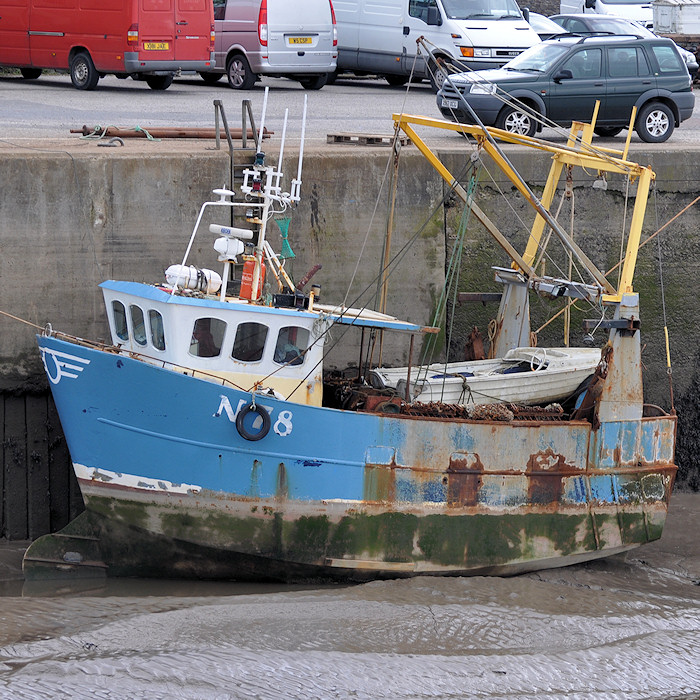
(450, 104)
(299, 39)
(156, 45)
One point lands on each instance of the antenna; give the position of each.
(278, 175)
(296, 183)
(262, 119)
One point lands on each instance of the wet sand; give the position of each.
(626, 627)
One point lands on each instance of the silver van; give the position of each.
(279, 38)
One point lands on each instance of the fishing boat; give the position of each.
(208, 443)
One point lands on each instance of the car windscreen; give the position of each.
(538, 58)
(481, 9)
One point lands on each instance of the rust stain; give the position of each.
(379, 483)
(282, 491)
(545, 474)
(464, 479)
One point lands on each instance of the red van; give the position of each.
(147, 40)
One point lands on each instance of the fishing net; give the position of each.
(286, 252)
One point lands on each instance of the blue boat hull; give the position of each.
(341, 494)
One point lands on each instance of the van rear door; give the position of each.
(156, 27)
(14, 36)
(300, 34)
(192, 30)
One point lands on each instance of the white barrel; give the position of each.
(191, 277)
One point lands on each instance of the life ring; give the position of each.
(264, 415)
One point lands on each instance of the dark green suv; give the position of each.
(560, 80)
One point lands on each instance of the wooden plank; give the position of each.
(60, 469)
(366, 139)
(38, 499)
(15, 457)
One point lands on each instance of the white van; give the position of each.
(279, 38)
(634, 10)
(379, 36)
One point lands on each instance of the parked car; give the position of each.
(589, 24)
(545, 28)
(276, 38)
(637, 10)
(561, 79)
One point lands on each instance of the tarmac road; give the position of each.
(48, 108)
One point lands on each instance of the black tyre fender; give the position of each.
(210, 78)
(314, 82)
(517, 120)
(82, 71)
(266, 422)
(159, 82)
(607, 131)
(655, 122)
(396, 80)
(30, 73)
(238, 72)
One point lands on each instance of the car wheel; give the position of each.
(332, 77)
(396, 80)
(211, 78)
(30, 73)
(516, 121)
(608, 131)
(314, 82)
(437, 71)
(655, 122)
(159, 82)
(82, 72)
(240, 77)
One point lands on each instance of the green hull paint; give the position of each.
(460, 543)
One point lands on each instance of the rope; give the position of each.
(21, 320)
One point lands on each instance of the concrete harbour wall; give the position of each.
(69, 220)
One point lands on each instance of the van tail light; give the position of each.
(212, 37)
(335, 28)
(132, 36)
(262, 23)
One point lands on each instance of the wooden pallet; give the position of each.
(367, 139)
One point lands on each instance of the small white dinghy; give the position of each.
(524, 375)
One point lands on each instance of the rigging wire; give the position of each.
(669, 370)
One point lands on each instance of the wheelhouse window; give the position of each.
(138, 324)
(207, 337)
(119, 316)
(291, 343)
(155, 321)
(249, 343)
